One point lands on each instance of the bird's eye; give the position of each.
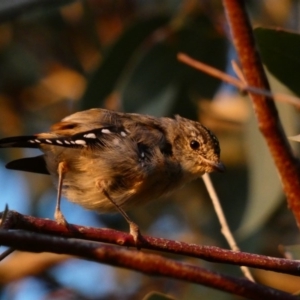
(194, 145)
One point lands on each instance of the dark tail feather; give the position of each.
(35, 164)
(19, 141)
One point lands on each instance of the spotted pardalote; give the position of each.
(105, 160)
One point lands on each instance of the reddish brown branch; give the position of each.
(150, 264)
(266, 112)
(15, 220)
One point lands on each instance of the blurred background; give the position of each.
(58, 57)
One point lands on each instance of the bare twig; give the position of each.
(143, 262)
(240, 84)
(223, 222)
(237, 70)
(209, 253)
(218, 209)
(210, 70)
(276, 96)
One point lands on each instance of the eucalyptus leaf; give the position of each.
(103, 81)
(159, 105)
(143, 69)
(19, 68)
(280, 53)
(155, 68)
(151, 76)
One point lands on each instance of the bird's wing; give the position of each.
(95, 137)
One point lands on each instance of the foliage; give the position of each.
(57, 58)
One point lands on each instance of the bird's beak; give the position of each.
(216, 166)
(219, 166)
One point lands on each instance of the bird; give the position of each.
(109, 161)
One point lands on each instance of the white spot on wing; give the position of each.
(123, 133)
(48, 141)
(31, 141)
(91, 135)
(37, 141)
(59, 142)
(105, 130)
(80, 142)
(67, 142)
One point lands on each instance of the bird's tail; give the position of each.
(29, 141)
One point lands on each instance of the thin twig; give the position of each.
(279, 97)
(210, 70)
(240, 84)
(223, 222)
(237, 70)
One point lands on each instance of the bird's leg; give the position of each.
(133, 227)
(58, 215)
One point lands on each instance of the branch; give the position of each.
(266, 112)
(238, 83)
(150, 264)
(15, 220)
(223, 222)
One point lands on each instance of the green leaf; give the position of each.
(146, 74)
(149, 83)
(19, 68)
(157, 71)
(105, 78)
(280, 53)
